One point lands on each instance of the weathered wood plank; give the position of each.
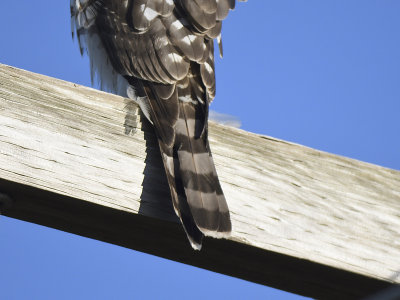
(303, 220)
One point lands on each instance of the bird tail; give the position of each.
(196, 193)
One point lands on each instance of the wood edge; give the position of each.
(167, 240)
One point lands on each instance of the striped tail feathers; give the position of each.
(178, 196)
(162, 105)
(196, 193)
(197, 168)
(199, 177)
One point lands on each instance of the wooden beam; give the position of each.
(304, 221)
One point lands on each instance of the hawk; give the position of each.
(160, 53)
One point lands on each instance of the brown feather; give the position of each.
(164, 49)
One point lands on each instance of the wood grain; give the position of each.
(303, 220)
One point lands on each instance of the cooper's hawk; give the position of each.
(163, 52)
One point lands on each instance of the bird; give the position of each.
(160, 53)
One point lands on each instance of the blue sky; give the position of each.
(325, 74)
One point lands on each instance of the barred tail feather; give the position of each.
(179, 200)
(198, 175)
(196, 192)
(183, 138)
(195, 189)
